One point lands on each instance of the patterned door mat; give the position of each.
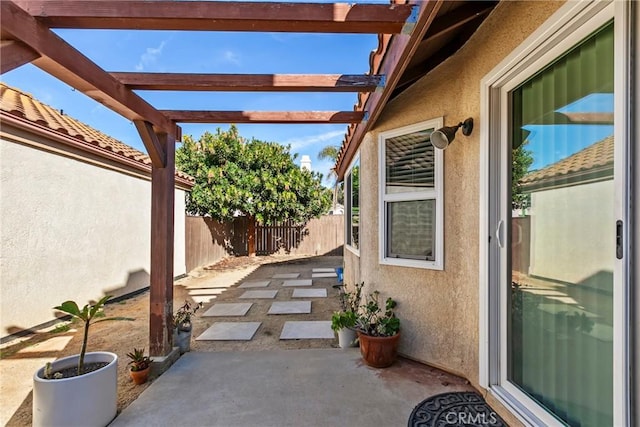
(459, 409)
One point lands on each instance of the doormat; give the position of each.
(466, 409)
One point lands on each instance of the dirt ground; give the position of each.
(216, 283)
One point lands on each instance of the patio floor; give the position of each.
(315, 387)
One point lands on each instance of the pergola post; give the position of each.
(162, 237)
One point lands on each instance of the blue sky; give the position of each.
(206, 52)
(551, 143)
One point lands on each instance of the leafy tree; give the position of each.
(522, 159)
(330, 152)
(255, 178)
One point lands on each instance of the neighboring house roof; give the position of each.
(21, 105)
(593, 163)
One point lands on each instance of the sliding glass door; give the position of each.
(561, 256)
(556, 309)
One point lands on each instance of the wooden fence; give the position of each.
(208, 241)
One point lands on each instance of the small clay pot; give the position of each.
(140, 377)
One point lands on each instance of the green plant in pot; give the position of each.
(343, 322)
(378, 331)
(88, 380)
(182, 325)
(140, 366)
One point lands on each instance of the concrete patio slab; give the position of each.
(290, 307)
(256, 284)
(230, 331)
(309, 293)
(299, 282)
(229, 309)
(319, 275)
(286, 276)
(319, 388)
(324, 270)
(314, 329)
(259, 295)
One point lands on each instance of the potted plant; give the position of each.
(140, 366)
(182, 325)
(80, 389)
(343, 322)
(378, 331)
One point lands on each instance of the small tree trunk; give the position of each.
(251, 235)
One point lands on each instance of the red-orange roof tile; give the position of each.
(20, 104)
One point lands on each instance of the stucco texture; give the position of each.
(439, 309)
(70, 230)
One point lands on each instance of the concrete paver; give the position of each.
(322, 275)
(323, 270)
(230, 331)
(229, 309)
(309, 293)
(290, 307)
(259, 295)
(299, 282)
(314, 329)
(256, 284)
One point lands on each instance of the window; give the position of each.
(352, 204)
(411, 197)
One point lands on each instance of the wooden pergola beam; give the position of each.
(221, 16)
(290, 117)
(251, 82)
(61, 60)
(395, 61)
(150, 138)
(14, 54)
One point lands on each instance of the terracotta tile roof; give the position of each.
(596, 157)
(23, 105)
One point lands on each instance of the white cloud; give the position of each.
(306, 141)
(231, 57)
(150, 56)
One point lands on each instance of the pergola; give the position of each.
(403, 27)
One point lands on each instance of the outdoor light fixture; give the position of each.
(444, 136)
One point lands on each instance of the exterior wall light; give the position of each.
(444, 136)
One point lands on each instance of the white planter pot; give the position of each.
(346, 338)
(182, 339)
(87, 400)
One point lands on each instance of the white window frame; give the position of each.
(348, 208)
(567, 27)
(437, 194)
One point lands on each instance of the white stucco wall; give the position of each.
(568, 241)
(71, 230)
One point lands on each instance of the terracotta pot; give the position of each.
(378, 352)
(140, 377)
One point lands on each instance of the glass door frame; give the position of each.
(566, 28)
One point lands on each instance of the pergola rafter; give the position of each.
(63, 61)
(272, 117)
(14, 54)
(221, 16)
(27, 37)
(251, 82)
